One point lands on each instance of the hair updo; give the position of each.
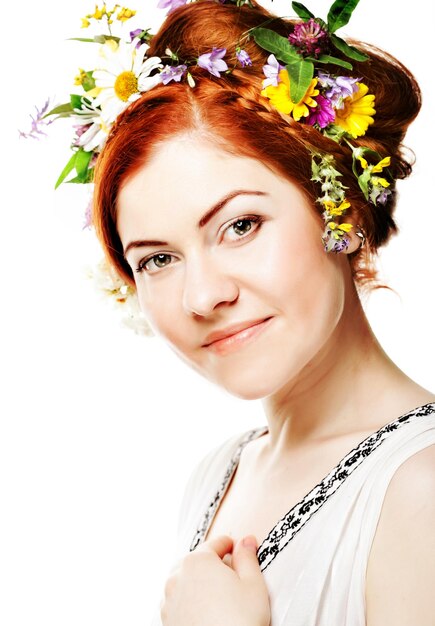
(230, 113)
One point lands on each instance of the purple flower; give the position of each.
(136, 33)
(309, 38)
(337, 88)
(213, 62)
(37, 124)
(323, 114)
(271, 70)
(341, 244)
(174, 72)
(80, 130)
(380, 195)
(170, 4)
(334, 245)
(243, 57)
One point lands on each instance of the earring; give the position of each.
(360, 233)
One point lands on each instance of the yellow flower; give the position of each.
(333, 209)
(343, 227)
(99, 13)
(85, 22)
(279, 95)
(376, 180)
(80, 78)
(355, 116)
(125, 14)
(363, 162)
(383, 163)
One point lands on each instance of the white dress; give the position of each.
(314, 559)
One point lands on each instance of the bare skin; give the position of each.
(324, 380)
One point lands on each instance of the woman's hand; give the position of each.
(202, 590)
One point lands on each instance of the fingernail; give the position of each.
(250, 542)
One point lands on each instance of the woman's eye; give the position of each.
(158, 260)
(243, 225)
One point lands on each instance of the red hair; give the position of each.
(230, 113)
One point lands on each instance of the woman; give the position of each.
(208, 202)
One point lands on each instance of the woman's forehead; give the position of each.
(190, 172)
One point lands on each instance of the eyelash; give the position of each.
(256, 219)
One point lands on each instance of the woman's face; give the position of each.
(259, 256)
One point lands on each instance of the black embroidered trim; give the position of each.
(301, 512)
(208, 516)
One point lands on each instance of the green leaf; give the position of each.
(325, 58)
(96, 39)
(80, 39)
(66, 170)
(63, 110)
(349, 51)
(88, 82)
(340, 13)
(76, 101)
(80, 179)
(83, 159)
(278, 45)
(301, 11)
(301, 75)
(363, 182)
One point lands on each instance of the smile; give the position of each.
(236, 341)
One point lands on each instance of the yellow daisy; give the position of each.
(279, 96)
(355, 116)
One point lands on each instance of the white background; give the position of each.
(100, 428)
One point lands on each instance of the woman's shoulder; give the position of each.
(401, 568)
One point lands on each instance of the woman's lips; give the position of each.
(236, 341)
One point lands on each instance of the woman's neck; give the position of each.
(351, 386)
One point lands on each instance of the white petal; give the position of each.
(107, 94)
(150, 64)
(104, 75)
(112, 109)
(145, 83)
(92, 138)
(138, 59)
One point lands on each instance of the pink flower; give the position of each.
(323, 114)
(309, 37)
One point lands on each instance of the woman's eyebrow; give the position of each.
(142, 243)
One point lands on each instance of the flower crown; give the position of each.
(336, 104)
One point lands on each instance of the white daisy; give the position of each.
(123, 298)
(94, 137)
(124, 75)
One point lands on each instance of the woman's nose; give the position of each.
(206, 285)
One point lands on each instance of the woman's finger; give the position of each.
(220, 545)
(244, 558)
